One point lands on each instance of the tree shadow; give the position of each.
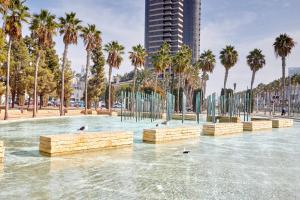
(31, 153)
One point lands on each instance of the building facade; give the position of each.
(174, 21)
(191, 26)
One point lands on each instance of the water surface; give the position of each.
(261, 165)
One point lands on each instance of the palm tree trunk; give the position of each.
(155, 87)
(225, 81)
(225, 92)
(204, 83)
(86, 79)
(134, 79)
(165, 84)
(14, 89)
(41, 101)
(283, 82)
(7, 80)
(133, 88)
(109, 88)
(35, 84)
(178, 91)
(62, 110)
(252, 80)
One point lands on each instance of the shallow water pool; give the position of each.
(261, 165)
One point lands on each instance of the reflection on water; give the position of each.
(264, 165)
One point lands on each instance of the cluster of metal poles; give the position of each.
(140, 106)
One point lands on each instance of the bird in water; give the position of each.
(83, 128)
(185, 151)
(166, 123)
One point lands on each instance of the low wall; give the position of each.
(1, 152)
(53, 145)
(282, 123)
(191, 117)
(144, 114)
(257, 125)
(260, 119)
(160, 135)
(106, 112)
(225, 119)
(218, 129)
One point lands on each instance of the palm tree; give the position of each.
(181, 61)
(157, 68)
(114, 60)
(256, 61)
(4, 6)
(283, 46)
(165, 60)
(229, 57)
(92, 39)
(69, 28)
(16, 14)
(138, 57)
(206, 63)
(161, 60)
(43, 27)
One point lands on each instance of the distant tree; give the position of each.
(43, 28)
(2, 60)
(14, 16)
(256, 60)
(96, 86)
(69, 75)
(181, 61)
(206, 63)
(114, 59)
(283, 46)
(92, 39)
(20, 60)
(229, 57)
(69, 28)
(138, 57)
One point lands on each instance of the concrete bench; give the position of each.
(52, 145)
(218, 129)
(1, 152)
(225, 119)
(282, 123)
(260, 119)
(188, 117)
(257, 125)
(160, 135)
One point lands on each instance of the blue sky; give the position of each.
(246, 24)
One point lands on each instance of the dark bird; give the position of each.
(165, 123)
(83, 128)
(157, 125)
(185, 151)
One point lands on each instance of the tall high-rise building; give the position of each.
(174, 21)
(191, 26)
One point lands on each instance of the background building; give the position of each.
(293, 71)
(191, 26)
(174, 21)
(78, 85)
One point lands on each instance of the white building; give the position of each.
(78, 85)
(293, 71)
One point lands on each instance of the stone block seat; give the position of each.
(161, 135)
(257, 125)
(218, 129)
(225, 119)
(282, 123)
(53, 145)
